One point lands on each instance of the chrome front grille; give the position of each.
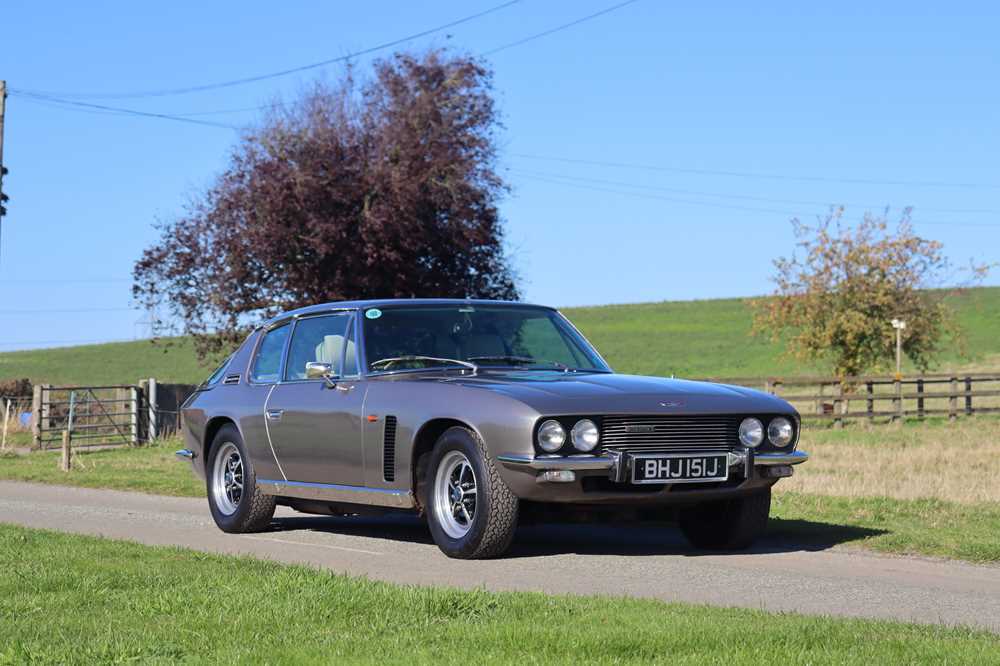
(669, 433)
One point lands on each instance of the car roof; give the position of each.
(388, 303)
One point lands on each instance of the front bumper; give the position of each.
(612, 463)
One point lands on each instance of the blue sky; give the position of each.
(750, 112)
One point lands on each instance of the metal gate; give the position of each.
(94, 415)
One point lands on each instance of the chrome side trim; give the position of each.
(186, 454)
(581, 462)
(791, 458)
(267, 431)
(330, 492)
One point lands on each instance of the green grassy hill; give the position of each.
(687, 338)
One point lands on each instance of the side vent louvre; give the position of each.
(231, 379)
(389, 449)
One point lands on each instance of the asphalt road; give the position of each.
(574, 559)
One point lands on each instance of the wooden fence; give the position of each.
(883, 397)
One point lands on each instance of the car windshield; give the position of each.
(482, 336)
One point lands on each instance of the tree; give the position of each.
(386, 188)
(836, 302)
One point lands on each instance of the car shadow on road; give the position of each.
(547, 539)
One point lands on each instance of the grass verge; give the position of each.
(71, 599)
(148, 469)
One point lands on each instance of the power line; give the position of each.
(65, 281)
(66, 311)
(559, 28)
(273, 75)
(133, 112)
(746, 174)
(714, 204)
(745, 197)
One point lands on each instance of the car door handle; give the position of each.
(274, 414)
(344, 389)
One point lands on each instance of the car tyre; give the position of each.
(471, 512)
(732, 524)
(236, 502)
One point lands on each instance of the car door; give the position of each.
(316, 425)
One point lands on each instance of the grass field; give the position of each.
(885, 488)
(80, 600)
(687, 338)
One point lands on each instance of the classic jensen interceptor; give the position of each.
(473, 413)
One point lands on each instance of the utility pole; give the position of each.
(3, 170)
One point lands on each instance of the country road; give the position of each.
(634, 561)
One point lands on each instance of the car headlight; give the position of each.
(780, 432)
(751, 432)
(584, 435)
(551, 436)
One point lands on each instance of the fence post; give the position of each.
(897, 401)
(953, 400)
(838, 407)
(871, 403)
(67, 460)
(968, 396)
(36, 416)
(819, 400)
(153, 406)
(920, 398)
(133, 416)
(6, 419)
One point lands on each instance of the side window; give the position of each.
(267, 364)
(319, 340)
(351, 367)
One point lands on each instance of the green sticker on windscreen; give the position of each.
(374, 313)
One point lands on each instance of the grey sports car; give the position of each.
(476, 414)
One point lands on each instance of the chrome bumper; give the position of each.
(583, 463)
(185, 454)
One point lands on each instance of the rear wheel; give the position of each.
(732, 524)
(236, 503)
(471, 512)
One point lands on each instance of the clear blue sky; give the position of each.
(835, 101)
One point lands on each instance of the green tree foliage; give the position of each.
(837, 295)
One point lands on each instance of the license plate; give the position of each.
(680, 468)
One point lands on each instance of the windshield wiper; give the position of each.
(402, 359)
(523, 360)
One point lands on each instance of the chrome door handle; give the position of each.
(344, 389)
(274, 414)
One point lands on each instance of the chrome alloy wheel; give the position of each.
(227, 479)
(455, 494)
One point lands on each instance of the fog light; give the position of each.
(557, 476)
(779, 471)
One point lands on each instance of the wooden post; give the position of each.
(870, 386)
(920, 398)
(768, 386)
(968, 396)
(953, 400)
(819, 400)
(36, 416)
(897, 401)
(6, 419)
(67, 453)
(45, 420)
(838, 407)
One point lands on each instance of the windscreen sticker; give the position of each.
(373, 313)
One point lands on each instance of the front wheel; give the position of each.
(471, 512)
(732, 524)
(236, 502)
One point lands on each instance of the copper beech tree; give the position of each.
(382, 188)
(836, 297)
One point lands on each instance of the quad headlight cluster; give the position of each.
(584, 436)
(780, 432)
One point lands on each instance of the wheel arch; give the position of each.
(423, 443)
(212, 428)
